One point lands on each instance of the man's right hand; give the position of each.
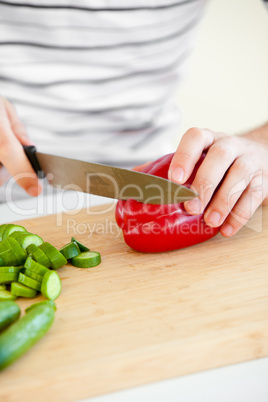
(12, 157)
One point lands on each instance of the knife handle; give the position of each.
(30, 152)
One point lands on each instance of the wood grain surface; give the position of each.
(139, 318)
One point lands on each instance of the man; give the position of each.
(96, 80)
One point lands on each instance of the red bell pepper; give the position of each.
(155, 228)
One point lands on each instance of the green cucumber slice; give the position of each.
(4, 246)
(38, 255)
(8, 258)
(88, 259)
(35, 267)
(18, 289)
(24, 333)
(25, 239)
(51, 285)
(3, 287)
(44, 302)
(80, 245)
(8, 277)
(9, 255)
(31, 283)
(9, 313)
(5, 295)
(33, 275)
(19, 253)
(10, 270)
(56, 258)
(15, 235)
(2, 228)
(12, 228)
(70, 250)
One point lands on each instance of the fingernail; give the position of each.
(33, 191)
(213, 218)
(177, 174)
(227, 230)
(193, 206)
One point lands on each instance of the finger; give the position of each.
(141, 167)
(16, 125)
(14, 159)
(234, 184)
(243, 210)
(218, 160)
(188, 153)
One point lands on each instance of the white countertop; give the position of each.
(245, 382)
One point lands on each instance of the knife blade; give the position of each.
(106, 181)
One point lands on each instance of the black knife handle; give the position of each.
(30, 152)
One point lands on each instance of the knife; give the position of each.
(106, 181)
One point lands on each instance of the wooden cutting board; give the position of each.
(140, 318)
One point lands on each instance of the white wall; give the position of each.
(227, 87)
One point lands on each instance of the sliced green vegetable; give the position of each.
(38, 255)
(15, 235)
(31, 283)
(25, 239)
(35, 267)
(5, 295)
(80, 245)
(7, 253)
(3, 287)
(10, 270)
(56, 258)
(44, 302)
(8, 258)
(2, 228)
(12, 228)
(9, 313)
(11, 254)
(8, 277)
(20, 254)
(19, 337)
(18, 289)
(33, 275)
(70, 250)
(88, 259)
(51, 285)
(4, 246)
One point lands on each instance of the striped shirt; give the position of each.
(96, 79)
